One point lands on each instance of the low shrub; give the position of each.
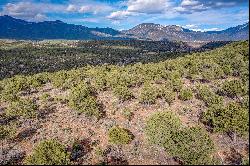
(231, 119)
(99, 151)
(82, 99)
(161, 126)
(89, 106)
(7, 131)
(12, 86)
(192, 146)
(119, 136)
(25, 108)
(100, 82)
(167, 93)
(45, 97)
(37, 80)
(186, 94)
(58, 79)
(127, 113)
(177, 84)
(245, 102)
(233, 88)
(213, 72)
(49, 152)
(169, 96)
(148, 94)
(245, 161)
(208, 96)
(227, 69)
(122, 92)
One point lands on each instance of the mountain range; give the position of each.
(12, 28)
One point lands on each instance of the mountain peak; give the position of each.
(173, 32)
(7, 17)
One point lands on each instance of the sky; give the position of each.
(198, 15)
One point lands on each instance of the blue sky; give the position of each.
(200, 15)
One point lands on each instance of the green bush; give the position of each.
(169, 96)
(148, 94)
(89, 106)
(213, 72)
(100, 82)
(177, 84)
(25, 108)
(192, 146)
(233, 88)
(82, 99)
(119, 136)
(232, 118)
(7, 131)
(37, 80)
(12, 86)
(58, 79)
(122, 92)
(167, 93)
(160, 127)
(49, 152)
(227, 69)
(99, 151)
(245, 102)
(45, 97)
(186, 94)
(245, 161)
(127, 113)
(208, 96)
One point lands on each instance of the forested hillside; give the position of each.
(30, 57)
(188, 109)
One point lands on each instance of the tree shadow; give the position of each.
(27, 133)
(114, 160)
(43, 113)
(80, 149)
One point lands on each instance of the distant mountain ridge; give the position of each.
(19, 29)
(12, 28)
(159, 32)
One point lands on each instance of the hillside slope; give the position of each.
(186, 110)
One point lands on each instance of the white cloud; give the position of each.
(40, 17)
(190, 26)
(120, 15)
(148, 6)
(217, 17)
(189, 3)
(138, 7)
(71, 8)
(191, 6)
(195, 27)
(93, 8)
(30, 11)
(206, 29)
(37, 11)
(212, 29)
